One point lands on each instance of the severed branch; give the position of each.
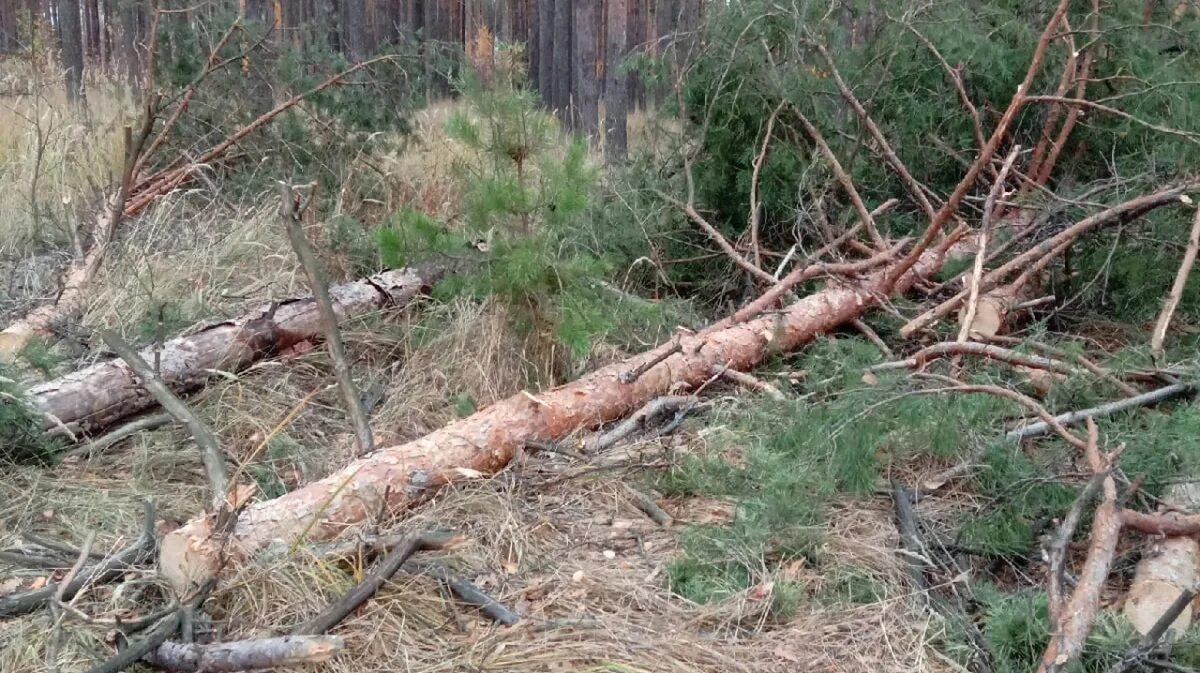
(843, 179)
(365, 589)
(749, 381)
(210, 446)
(949, 208)
(1075, 618)
(925, 355)
(755, 206)
(1075, 417)
(333, 336)
(1055, 245)
(723, 243)
(1173, 299)
(989, 211)
(639, 419)
(1084, 362)
(466, 592)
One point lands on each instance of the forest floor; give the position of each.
(556, 539)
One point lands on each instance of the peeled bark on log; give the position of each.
(396, 477)
(94, 398)
(1171, 566)
(246, 655)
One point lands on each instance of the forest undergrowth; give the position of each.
(786, 542)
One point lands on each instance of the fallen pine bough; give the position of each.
(395, 477)
(91, 399)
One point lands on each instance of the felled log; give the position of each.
(395, 477)
(245, 655)
(1171, 566)
(91, 399)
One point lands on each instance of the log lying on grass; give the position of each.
(94, 398)
(393, 478)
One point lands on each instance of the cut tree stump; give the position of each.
(394, 478)
(92, 399)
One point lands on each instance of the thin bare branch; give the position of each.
(1181, 277)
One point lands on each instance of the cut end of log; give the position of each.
(1168, 570)
(187, 557)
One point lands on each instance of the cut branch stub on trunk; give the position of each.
(395, 477)
(94, 398)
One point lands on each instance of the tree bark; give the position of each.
(245, 655)
(585, 105)
(546, 53)
(616, 88)
(396, 477)
(562, 59)
(91, 399)
(354, 31)
(71, 36)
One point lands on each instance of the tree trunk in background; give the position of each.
(586, 100)
(394, 478)
(546, 53)
(354, 32)
(130, 31)
(8, 27)
(616, 89)
(70, 37)
(91, 14)
(562, 60)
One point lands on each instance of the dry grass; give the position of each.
(573, 555)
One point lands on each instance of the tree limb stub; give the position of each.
(92, 399)
(394, 478)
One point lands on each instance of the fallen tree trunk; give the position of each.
(395, 477)
(94, 398)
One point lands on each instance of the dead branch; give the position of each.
(1169, 524)
(1075, 417)
(950, 207)
(749, 381)
(103, 571)
(158, 184)
(466, 591)
(1071, 629)
(723, 243)
(329, 319)
(805, 273)
(755, 206)
(843, 179)
(639, 420)
(1122, 212)
(1069, 72)
(915, 190)
(1024, 400)
(1042, 175)
(1190, 136)
(648, 507)
(1148, 643)
(955, 75)
(1061, 354)
(634, 374)
(985, 229)
(929, 353)
(1173, 299)
(205, 438)
(872, 336)
(136, 426)
(364, 590)
(245, 655)
(1056, 549)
